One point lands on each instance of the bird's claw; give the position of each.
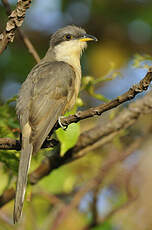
(64, 127)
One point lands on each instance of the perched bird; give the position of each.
(50, 89)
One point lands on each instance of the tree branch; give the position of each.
(100, 133)
(10, 144)
(15, 21)
(129, 95)
(89, 140)
(29, 46)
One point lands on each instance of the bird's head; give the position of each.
(70, 40)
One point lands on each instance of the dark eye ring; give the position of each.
(68, 37)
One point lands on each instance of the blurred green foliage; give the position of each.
(110, 21)
(104, 226)
(8, 127)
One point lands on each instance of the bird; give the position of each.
(50, 89)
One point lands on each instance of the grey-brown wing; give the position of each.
(42, 99)
(51, 93)
(26, 92)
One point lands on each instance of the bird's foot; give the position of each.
(63, 126)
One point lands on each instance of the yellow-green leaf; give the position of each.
(68, 137)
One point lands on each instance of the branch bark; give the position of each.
(15, 21)
(127, 96)
(10, 144)
(95, 137)
(100, 133)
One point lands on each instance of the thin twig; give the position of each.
(87, 139)
(29, 46)
(15, 21)
(100, 133)
(130, 94)
(25, 39)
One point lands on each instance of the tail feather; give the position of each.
(24, 165)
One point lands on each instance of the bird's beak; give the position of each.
(87, 38)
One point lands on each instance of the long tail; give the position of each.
(24, 165)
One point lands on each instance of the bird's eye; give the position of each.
(68, 37)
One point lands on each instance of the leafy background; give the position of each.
(110, 67)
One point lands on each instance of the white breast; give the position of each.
(70, 52)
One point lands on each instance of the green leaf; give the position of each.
(10, 160)
(139, 61)
(8, 121)
(13, 99)
(68, 137)
(104, 226)
(91, 91)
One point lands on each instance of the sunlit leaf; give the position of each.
(68, 137)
